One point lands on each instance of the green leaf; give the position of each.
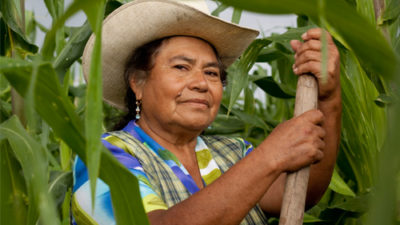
(219, 9)
(237, 13)
(272, 88)
(239, 77)
(249, 102)
(392, 12)
(30, 26)
(76, 43)
(50, 97)
(364, 125)
(51, 6)
(94, 103)
(59, 184)
(90, 7)
(93, 122)
(73, 50)
(13, 196)
(384, 100)
(10, 36)
(286, 76)
(385, 205)
(250, 119)
(34, 166)
(366, 9)
(12, 16)
(358, 204)
(5, 40)
(338, 14)
(290, 34)
(310, 219)
(269, 54)
(65, 156)
(339, 186)
(224, 124)
(60, 34)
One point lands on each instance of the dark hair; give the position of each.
(139, 65)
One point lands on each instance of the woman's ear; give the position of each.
(137, 88)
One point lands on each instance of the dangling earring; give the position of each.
(138, 103)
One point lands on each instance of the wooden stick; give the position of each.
(294, 197)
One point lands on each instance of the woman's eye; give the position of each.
(180, 67)
(212, 73)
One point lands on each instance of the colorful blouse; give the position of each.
(163, 180)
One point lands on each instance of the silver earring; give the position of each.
(138, 103)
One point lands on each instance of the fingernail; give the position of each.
(304, 35)
(295, 70)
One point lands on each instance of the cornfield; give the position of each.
(47, 118)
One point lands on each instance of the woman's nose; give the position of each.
(198, 81)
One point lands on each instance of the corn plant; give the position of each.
(47, 119)
(368, 163)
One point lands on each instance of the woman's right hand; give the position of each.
(296, 143)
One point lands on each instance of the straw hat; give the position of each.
(139, 22)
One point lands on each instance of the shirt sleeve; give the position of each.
(103, 214)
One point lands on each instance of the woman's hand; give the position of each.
(296, 143)
(308, 59)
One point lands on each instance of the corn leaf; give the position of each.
(13, 190)
(94, 11)
(51, 6)
(364, 124)
(11, 14)
(272, 88)
(237, 13)
(269, 54)
(366, 9)
(385, 205)
(224, 124)
(94, 103)
(310, 219)
(339, 186)
(59, 184)
(239, 77)
(338, 14)
(220, 8)
(66, 124)
(34, 166)
(391, 12)
(290, 34)
(359, 204)
(90, 7)
(73, 49)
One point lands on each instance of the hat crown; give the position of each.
(200, 5)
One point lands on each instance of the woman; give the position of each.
(174, 77)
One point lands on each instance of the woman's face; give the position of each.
(184, 90)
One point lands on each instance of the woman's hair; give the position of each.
(139, 67)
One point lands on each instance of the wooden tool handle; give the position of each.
(294, 197)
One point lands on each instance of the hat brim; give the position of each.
(139, 22)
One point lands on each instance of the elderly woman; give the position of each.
(175, 56)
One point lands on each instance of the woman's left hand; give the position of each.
(308, 59)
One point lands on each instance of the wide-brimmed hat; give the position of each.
(139, 22)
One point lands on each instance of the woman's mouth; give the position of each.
(197, 101)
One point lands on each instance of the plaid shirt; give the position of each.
(166, 188)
